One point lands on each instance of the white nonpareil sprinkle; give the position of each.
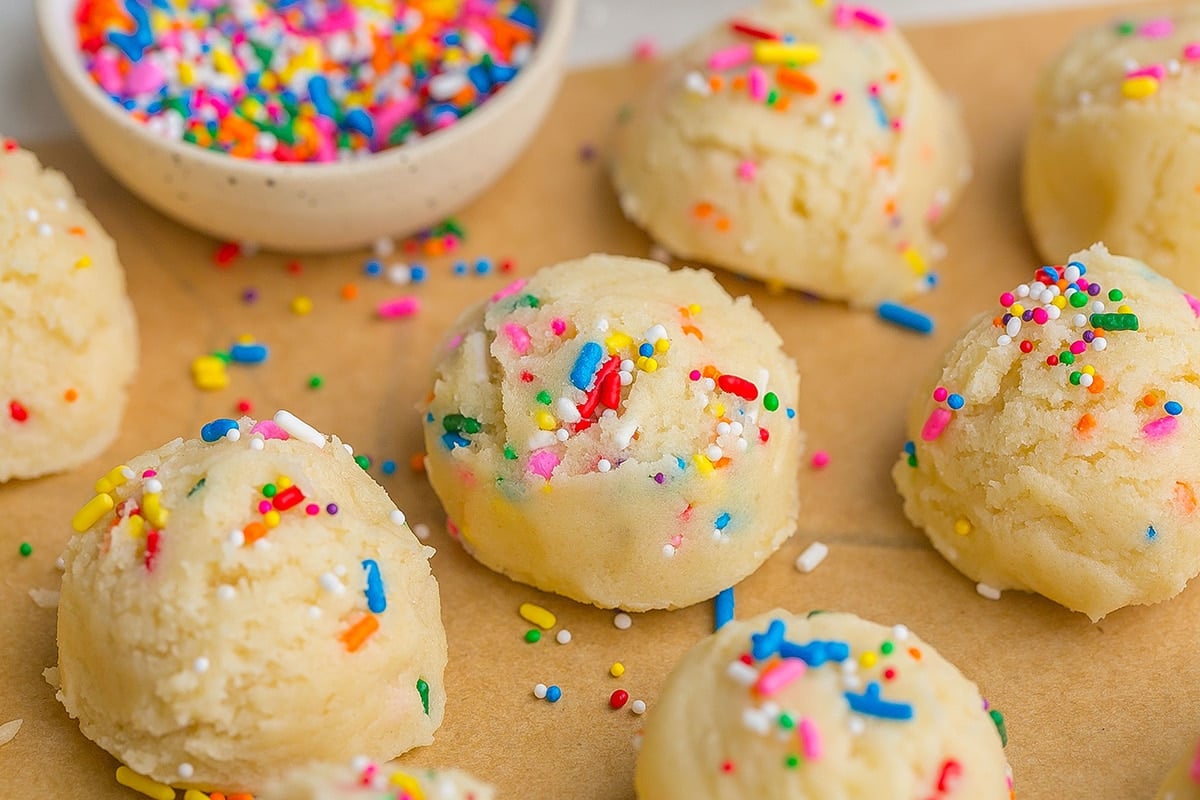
(297, 428)
(185, 770)
(200, 664)
(359, 763)
(638, 707)
(563, 636)
(233, 434)
(856, 725)
(225, 592)
(990, 592)
(9, 730)
(900, 632)
(669, 550)
(539, 691)
(257, 443)
(330, 583)
(397, 517)
(741, 672)
(603, 465)
(756, 721)
(622, 621)
(812, 557)
(154, 486)
(236, 538)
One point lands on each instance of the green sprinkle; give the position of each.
(533, 636)
(269, 490)
(1115, 322)
(362, 461)
(543, 397)
(423, 690)
(886, 648)
(1116, 295)
(199, 485)
(1125, 28)
(998, 718)
(1066, 357)
(527, 300)
(315, 382)
(228, 359)
(815, 612)
(786, 721)
(912, 461)
(771, 401)
(1079, 299)
(26, 549)
(792, 761)
(772, 97)
(509, 453)
(458, 423)
(1074, 378)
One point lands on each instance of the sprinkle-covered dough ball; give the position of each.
(1112, 155)
(366, 780)
(802, 144)
(1183, 782)
(824, 707)
(248, 605)
(617, 433)
(68, 340)
(1056, 449)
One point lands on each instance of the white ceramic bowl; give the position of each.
(310, 207)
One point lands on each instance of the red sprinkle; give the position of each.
(764, 435)
(951, 773)
(727, 766)
(610, 390)
(1026, 346)
(152, 540)
(287, 498)
(527, 376)
(226, 253)
(17, 411)
(618, 699)
(739, 386)
(244, 407)
(749, 29)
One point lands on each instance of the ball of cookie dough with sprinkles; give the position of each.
(617, 433)
(68, 340)
(1056, 449)
(1111, 155)
(788, 707)
(364, 779)
(1183, 782)
(800, 143)
(226, 596)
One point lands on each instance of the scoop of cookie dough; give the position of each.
(1183, 782)
(1056, 449)
(824, 707)
(68, 341)
(224, 598)
(617, 433)
(802, 144)
(1111, 153)
(366, 780)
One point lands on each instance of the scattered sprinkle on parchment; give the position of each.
(9, 730)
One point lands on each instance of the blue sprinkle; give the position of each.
(816, 652)
(910, 448)
(358, 120)
(215, 431)
(388, 467)
(585, 365)
(870, 703)
(646, 350)
(248, 353)
(1151, 534)
(553, 693)
(373, 268)
(791, 413)
(1173, 408)
(429, 416)
(765, 645)
(502, 74)
(376, 599)
(1079, 266)
(1052, 272)
(955, 401)
(318, 93)
(931, 279)
(479, 76)
(723, 609)
(682, 464)
(722, 521)
(417, 273)
(453, 440)
(905, 317)
(524, 15)
(483, 266)
(460, 268)
(880, 115)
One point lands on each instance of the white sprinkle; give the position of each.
(655, 333)
(1004, 340)
(622, 621)
(1071, 273)
(539, 439)
(200, 664)
(359, 763)
(539, 691)
(851, 682)
(1079, 320)
(990, 592)
(849, 666)
(153, 486)
(33, 215)
(233, 434)
(44, 598)
(741, 672)
(812, 557)
(603, 465)
(1099, 343)
(185, 770)
(399, 274)
(638, 707)
(624, 434)
(421, 531)
(900, 632)
(314, 612)
(297, 428)
(262, 545)
(257, 442)
(397, 516)
(827, 119)
(1085, 98)
(563, 636)
(696, 84)
(856, 726)
(60, 563)
(349, 449)
(330, 583)
(340, 570)
(756, 721)
(602, 325)
(1013, 326)
(1053, 312)
(236, 538)
(668, 550)
(566, 410)
(9, 730)
(708, 384)
(562, 434)
(225, 592)
(714, 453)
(61, 202)
(383, 247)
(1085, 380)
(723, 428)
(736, 428)
(1098, 306)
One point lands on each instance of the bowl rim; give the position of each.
(55, 31)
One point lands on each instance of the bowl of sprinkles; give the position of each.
(305, 125)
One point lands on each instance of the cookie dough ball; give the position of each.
(617, 433)
(820, 163)
(1183, 782)
(1056, 449)
(68, 341)
(365, 780)
(1111, 154)
(784, 707)
(224, 600)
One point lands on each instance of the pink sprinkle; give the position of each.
(1193, 303)
(838, 98)
(820, 459)
(559, 326)
(1163, 426)
(940, 394)
(398, 307)
(1157, 28)
(1007, 299)
(779, 676)
(543, 463)
(150, 473)
(269, 430)
(518, 337)
(107, 73)
(509, 291)
(1156, 71)
(843, 15)
(694, 375)
(810, 737)
(145, 77)
(872, 18)
(1191, 51)
(264, 506)
(1078, 346)
(747, 170)
(645, 49)
(730, 57)
(312, 509)
(451, 241)
(757, 80)
(677, 540)
(897, 124)
(454, 342)
(939, 418)
(1040, 316)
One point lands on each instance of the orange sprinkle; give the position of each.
(783, 103)
(1185, 498)
(359, 632)
(796, 80)
(915, 653)
(715, 83)
(216, 796)
(70, 395)
(702, 210)
(349, 291)
(738, 83)
(76, 230)
(1085, 425)
(710, 372)
(253, 532)
(889, 207)
(239, 796)
(434, 247)
(1097, 385)
(1149, 400)
(723, 224)
(723, 461)
(893, 76)
(417, 462)
(693, 330)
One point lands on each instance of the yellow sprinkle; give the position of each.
(114, 478)
(716, 409)
(91, 512)
(784, 53)
(271, 518)
(662, 346)
(962, 527)
(647, 364)
(1059, 301)
(302, 305)
(916, 262)
(617, 341)
(187, 73)
(194, 794)
(545, 420)
(703, 464)
(209, 373)
(408, 785)
(84, 262)
(537, 615)
(868, 659)
(153, 510)
(136, 527)
(1016, 309)
(1089, 370)
(1140, 87)
(776, 286)
(693, 309)
(617, 669)
(224, 62)
(283, 482)
(268, 82)
(140, 783)
(245, 338)
(1124, 309)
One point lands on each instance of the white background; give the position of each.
(606, 31)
